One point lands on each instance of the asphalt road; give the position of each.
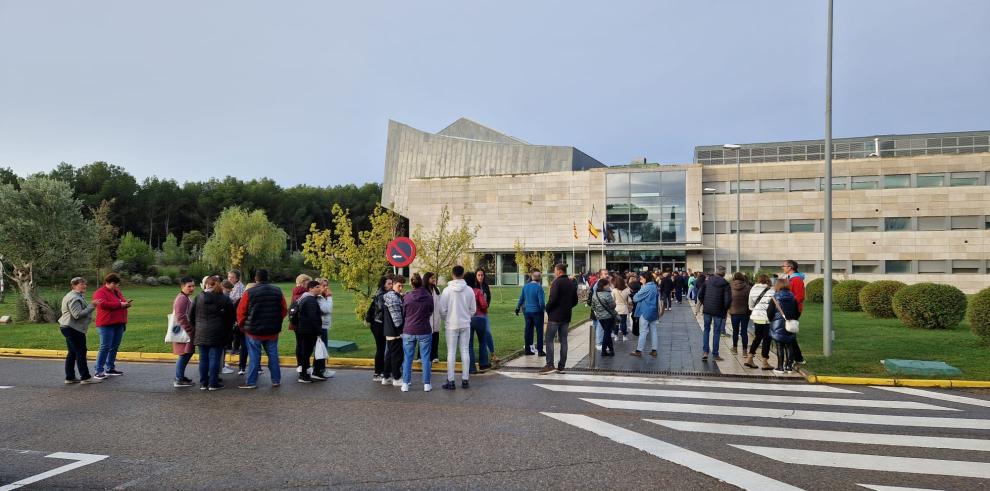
(504, 432)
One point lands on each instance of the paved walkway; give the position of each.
(733, 363)
(577, 349)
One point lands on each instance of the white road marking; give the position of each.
(81, 460)
(715, 384)
(829, 436)
(937, 395)
(819, 416)
(728, 396)
(910, 465)
(877, 487)
(6, 386)
(692, 460)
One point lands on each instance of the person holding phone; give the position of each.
(111, 322)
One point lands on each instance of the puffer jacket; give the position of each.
(740, 297)
(604, 305)
(789, 306)
(212, 319)
(310, 314)
(715, 296)
(759, 315)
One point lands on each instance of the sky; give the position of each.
(302, 91)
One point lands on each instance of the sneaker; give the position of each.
(653, 353)
(304, 380)
(249, 386)
(376, 378)
(227, 369)
(187, 380)
(91, 380)
(598, 347)
(261, 370)
(276, 384)
(71, 381)
(100, 376)
(560, 370)
(217, 387)
(387, 381)
(465, 384)
(427, 388)
(240, 372)
(203, 386)
(436, 360)
(547, 370)
(396, 383)
(802, 362)
(181, 383)
(779, 372)
(636, 353)
(405, 388)
(450, 385)
(704, 357)
(530, 352)
(114, 373)
(318, 377)
(542, 354)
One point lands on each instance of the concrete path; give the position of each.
(733, 363)
(577, 349)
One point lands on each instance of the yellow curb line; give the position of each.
(169, 357)
(899, 382)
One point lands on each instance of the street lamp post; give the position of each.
(732, 146)
(827, 294)
(714, 224)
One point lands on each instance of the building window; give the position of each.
(986, 223)
(965, 222)
(931, 223)
(798, 226)
(617, 185)
(772, 226)
(747, 266)
(840, 225)
(866, 182)
(746, 186)
(720, 187)
(964, 179)
(896, 224)
(804, 184)
(510, 271)
(838, 267)
(897, 181)
(931, 267)
(672, 183)
(865, 225)
(897, 267)
(644, 184)
(931, 180)
(865, 267)
(617, 209)
(965, 266)
(773, 185)
(840, 183)
(747, 226)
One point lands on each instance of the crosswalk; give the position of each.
(886, 433)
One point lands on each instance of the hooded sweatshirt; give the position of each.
(457, 305)
(417, 308)
(740, 297)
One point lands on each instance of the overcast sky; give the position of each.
(302, 91)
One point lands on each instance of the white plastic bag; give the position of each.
(175, 333)
(320, 352)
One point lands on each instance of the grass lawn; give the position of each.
(146, 323)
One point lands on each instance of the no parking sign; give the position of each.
(400, 252)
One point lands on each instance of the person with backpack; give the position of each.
(375, 318)
(715, 298)
(260, 313)
(759, 299)
(783, 308)
(648, 311)
(212, 318)
(457, 306)
(418, 309)
(307, 316)
(392, 329)
(603, 305)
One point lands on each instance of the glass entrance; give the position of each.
(636, 261)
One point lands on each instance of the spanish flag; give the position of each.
(575, 230)
(592, 230)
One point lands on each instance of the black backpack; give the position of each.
(294, 313)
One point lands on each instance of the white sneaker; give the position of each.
(396, 383)
(240, 372)
(386, 381)
(598, 347)
(376, 378)
(405, 387)
(298, 368)
(624, 337)
(427, 388)
(329, 373)
(227, 370)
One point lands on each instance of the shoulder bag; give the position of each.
(175, 333)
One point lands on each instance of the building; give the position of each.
(905, 207)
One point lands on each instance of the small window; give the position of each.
(747, 226)
(931, 223)
(747, 266)
(713, 228)
(866, 182)
(804, 184)
(840, 183)
(966, 222)
(964, 179)
(865, 225)
(838, 267)
(771, 226)
(931, 180)
(897, 181)
(798, 226)
(773, 185)
(746, 186)
(839, 225)
(986, 222)
(931, 267)
(896, 224)
(718, 186)
(897, 267)
(865, 267)
(965, 266)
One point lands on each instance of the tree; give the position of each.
(356, 263)
(136, 253)
(7, 176)
(193, 242)
(172, 252)
(244, 240)
(527, 260)
(42, 229)
(444, 246)
(106, 236)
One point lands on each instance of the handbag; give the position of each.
(791, 325)
(320, 352)
(175, 333)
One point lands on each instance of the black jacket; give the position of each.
(715, 296)
(666, 286)
(212, 316)
(264, 310)
(563, 298)
(310, 316)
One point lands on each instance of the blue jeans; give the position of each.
(693, 293)
(599, 332)
(110, 337)
(534, 322)
(623, 319)
(719, 323)
(409, 347)
(180, 366)
(254, 359)
(647, 328)
(479, 327)
(210, 361)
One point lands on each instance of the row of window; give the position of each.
(895, 266)
(891, 181)
(875, 224)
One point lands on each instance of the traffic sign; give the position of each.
(400, 252)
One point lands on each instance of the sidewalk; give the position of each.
(733, 364)
(577, 350)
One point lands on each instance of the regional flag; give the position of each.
(575, 230)
(592, 230)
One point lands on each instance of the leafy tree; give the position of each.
(106, 236)
(193, 242)
(7, 176)
(136, 253)
(443, 247)
(527, 260)
(42, 229)
(356, 262)
(172, 252)
(244, 240)
(100, 181)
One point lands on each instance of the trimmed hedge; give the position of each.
(930, 305)
(845, 295)
(814, 290)
(979, 314)
(877, 298)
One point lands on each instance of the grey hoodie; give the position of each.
(76, 313)
(457, 305)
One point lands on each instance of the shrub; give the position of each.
(198, 270)
(172, 252)
(151, 281)
(135, 252)
(814, 290)
(877, 298)
(979, 314)
(846, 295)
(930, 305)
(137, 279)
(119, 266)
(164, 280)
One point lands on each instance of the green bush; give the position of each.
(845, 295)
(814, 290)
(877, 298)
(979, 314)
(137, 279)
(164, 280)
(930, 305)
(135, 252)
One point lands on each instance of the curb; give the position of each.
(898, 382)
(131, 356)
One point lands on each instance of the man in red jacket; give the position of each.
(260, 314)
(796, 279)
(111, 322)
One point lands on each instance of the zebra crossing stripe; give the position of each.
(937, 395)
(910, 465)
(697, 462)
(830, 436)
(877, 487)
(728, 396)
(6, 386)
(679, 382)
(796, 414)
